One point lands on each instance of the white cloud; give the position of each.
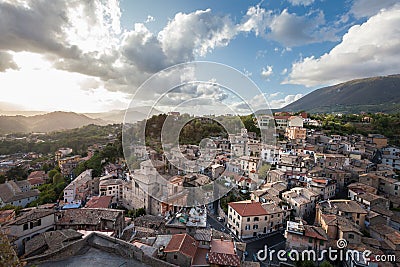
(279, 103)
(284, 71)
(301, 2)
(367, 8)
(149, 19)
(267, 72)
(288, 28)
(257, 19)
(291, 30)
(195, 34)
(370, 49)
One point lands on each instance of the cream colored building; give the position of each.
(249, 218)
(296, 133)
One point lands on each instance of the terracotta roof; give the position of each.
(36, 174)
(315, 232)
(247, 208)
(182, 243)
(222, 252)
(36, 181)
(99, 202)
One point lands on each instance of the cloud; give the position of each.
(368, 8)
(279, 103)
(38, 28)
(291, 30)
(301, 2)
(149, 19)
(366, 50)
(288, 28)
(195, 34)
(7, 62)
(267, 72)
(284, 71)
(256, 20)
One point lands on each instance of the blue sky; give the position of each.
(92, 56)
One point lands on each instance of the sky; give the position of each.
(92, 56)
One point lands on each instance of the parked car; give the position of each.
(220, 219)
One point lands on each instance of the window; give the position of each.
(266, 217)
(310, 240)
(358, 215)
(248, 219)
(25, 226)
(321, 242)
(255, 226)
(238, 217)
(175, 257)
(256, 219)
(351, 236)
(247, 227)
(272, 216)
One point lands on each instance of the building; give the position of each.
(62, 152)
(347, 208)
(326, 188)
(296, 133)
(28, 225)
(181, 250)
(91, 219)
(338, 227)
(305, 237)
(223, 253)
(301, 200)
(17, 193)
(49, 242)
(112, 188)
(249, 218)
(37, 178)
(379, 140)
(79, 188)
(99, 202)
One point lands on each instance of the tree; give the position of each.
(326, 263)
(58, 178)
(140, 212)
(263, 171)
(52, 173)
(17, 172)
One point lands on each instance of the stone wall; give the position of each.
(104, 243)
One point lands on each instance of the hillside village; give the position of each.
(307, 191)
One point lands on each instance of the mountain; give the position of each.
(117, 116)
(53, 121)
(376, 94)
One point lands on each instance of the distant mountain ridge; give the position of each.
(53, 121)
(133, 114)
(376, 94)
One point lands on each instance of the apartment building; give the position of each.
(249, 218)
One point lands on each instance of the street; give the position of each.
(214, 223)
(274, 241)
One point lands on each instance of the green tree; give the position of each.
(17, 172)
(140, 212)
(52, 173)
(263, 171)
(326, 263)
(58, 178)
